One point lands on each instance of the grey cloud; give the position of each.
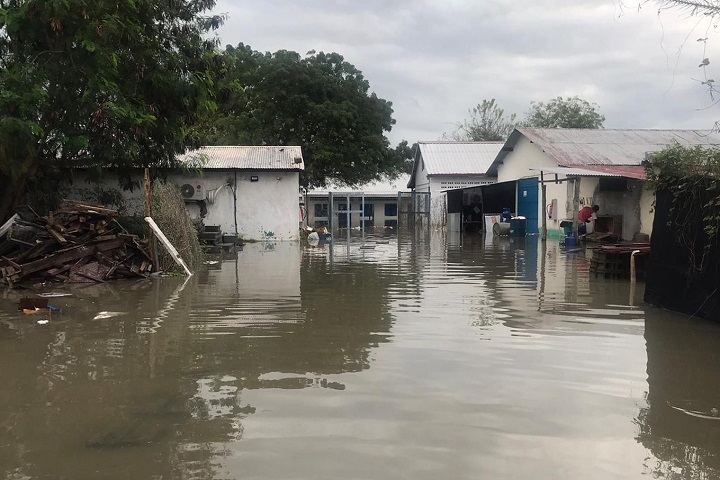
(435, 60)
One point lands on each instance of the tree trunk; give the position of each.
(13, 195)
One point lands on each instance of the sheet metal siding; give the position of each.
(453, 158)
(582, 147)
(248, 158)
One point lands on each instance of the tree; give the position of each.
(572, 112)
(318, 101)
(97, 84)
(487, 122)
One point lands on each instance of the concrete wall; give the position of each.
(518, 163)
(266, 210)
(438, 211)
(440, 183)
(422, 182)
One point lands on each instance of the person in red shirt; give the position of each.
(585, 216)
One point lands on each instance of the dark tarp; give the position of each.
(497, 196)
(673, 279)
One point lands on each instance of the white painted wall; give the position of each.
(422, 182)
(517, 164)
(266, 210)
(647, 210)
(438, 211)
(439, 183)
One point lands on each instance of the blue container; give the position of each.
(518, 226)
(571, 240)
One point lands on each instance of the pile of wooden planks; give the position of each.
(80, 242)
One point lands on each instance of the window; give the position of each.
(321, 210)
(391, 209)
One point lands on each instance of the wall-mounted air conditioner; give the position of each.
(192, 191)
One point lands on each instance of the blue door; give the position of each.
(528, 202)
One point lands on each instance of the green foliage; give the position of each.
(692, 176)
(318, 101)
(487, 122)
(572, 112)
(100, 82)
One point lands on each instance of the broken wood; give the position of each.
(78, 242)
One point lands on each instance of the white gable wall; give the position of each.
(517, 164)
(422, 182)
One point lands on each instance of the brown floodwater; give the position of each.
(413, 356)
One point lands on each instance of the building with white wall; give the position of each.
(250, 192)
(441, 165)
(376, 202)
(607, 164)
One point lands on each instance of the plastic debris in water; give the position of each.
(104, 315)
(43, 322)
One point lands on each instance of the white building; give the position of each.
(380, 204)
(443, 165)
(608, 166)
(251, 192)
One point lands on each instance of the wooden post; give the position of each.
(576, 204)
(168, 245)
(149, 213)
(543, 189)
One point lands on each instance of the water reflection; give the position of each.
(415, 355)
(681, 424)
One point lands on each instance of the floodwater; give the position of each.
(418, 357)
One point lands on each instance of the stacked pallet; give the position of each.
(613, 260)
(80, 242)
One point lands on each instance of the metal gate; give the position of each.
(413, 209)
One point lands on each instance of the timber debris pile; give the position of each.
(80, 242)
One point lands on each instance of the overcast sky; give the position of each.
(436, 59)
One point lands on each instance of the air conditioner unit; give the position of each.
(192, 191)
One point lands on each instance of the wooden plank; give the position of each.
(62, 240)
(70, 255)
(163, 239)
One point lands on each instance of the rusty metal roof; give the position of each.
(458, 158)
(571, 147)
(246, 158)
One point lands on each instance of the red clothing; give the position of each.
(585, 214)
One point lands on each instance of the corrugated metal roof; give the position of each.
(383, 188)
(627, 171)
(571, 147)
(458, 158)
(580, 147)
(247, 158)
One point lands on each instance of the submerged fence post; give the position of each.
(173, 252)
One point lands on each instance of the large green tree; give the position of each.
(571, 112)
(98, 83)
(318, 101)
(487, 122)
